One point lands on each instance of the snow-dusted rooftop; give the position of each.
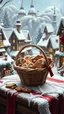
(8, 31)
(3, 61)
(19, 35)
(58, 53)
(49, 27)
(53, 39)
(14, 53)
(2, 50)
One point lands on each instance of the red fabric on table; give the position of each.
(50, 70)
(61, 104)
(56, 105)
(55, 80)
(60, 97)
(1, 81)
(11, 103)
(53, 102)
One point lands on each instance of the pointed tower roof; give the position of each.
(21, 5)
(22, 11)
(32, 10)
(54, 21)
(31, 4)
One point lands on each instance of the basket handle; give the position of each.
(33, 45)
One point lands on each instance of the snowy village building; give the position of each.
(17, 39)
(5, 59)
(32, 10)
(49, 42)
(21, 12)
(60, 33)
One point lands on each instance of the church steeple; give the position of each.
(32, 10)
(31, 4)
(54, 20)
(21, 5)
(21, 12)
(54, 10)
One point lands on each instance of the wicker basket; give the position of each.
(32, 77)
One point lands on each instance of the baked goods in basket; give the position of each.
(32, 62)
(32, 69)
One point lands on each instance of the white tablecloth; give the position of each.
(52, 89)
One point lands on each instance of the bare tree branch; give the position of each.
(5, 3)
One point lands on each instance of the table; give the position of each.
(45, 99)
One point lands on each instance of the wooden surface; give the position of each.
(21, 105)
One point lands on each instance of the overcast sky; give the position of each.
(39, 5)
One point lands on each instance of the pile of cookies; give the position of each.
(32, 62)
(18, 88)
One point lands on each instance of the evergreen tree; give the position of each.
(6, 20)
(39, 35)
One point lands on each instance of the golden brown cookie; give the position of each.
(18, 88)
(34, 59)
(26, 90)
(40, 63)
(28, 64)
(11, 85)
(20, 61)
(22, 89)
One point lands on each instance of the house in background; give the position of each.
(17, 39)
(60, 33)
(50, 45)
(49, 42)
(47, 30)
(4, 57)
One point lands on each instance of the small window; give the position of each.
(13, 40)
(56, 40)
(50, 50)
(1, 54)
(26, 52)
(0, 37)
(51, 56)
(1, 43)
(19, 48)
(62, 49)
(13, 47)
(19, 42)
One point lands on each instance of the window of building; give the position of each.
(62, 48)
(1, 43)
(56, 40)
(1, 54)
(51, 56)
(0, 37)
(13, 47)
(13, 40)
(50, 50)
(26, 52)
(19, 48)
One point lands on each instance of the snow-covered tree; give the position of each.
(6, 20)
(39, 35)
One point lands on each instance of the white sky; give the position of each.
(39, 5)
